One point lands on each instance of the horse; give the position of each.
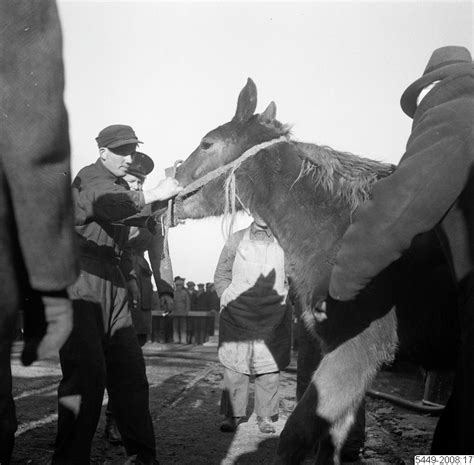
(308, 194)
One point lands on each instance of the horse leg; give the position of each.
(330, 447)
(297, 439)
(327, 409)
(309, 424)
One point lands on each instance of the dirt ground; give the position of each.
(185, 391)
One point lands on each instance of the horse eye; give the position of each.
(205, 145)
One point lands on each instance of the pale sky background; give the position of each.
(174, 70)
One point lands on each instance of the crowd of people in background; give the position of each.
(189, 299)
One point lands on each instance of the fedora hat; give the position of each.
(444, 62)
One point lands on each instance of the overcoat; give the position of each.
(433, 186)
(37, 247)
(254, 325)
(142, 240)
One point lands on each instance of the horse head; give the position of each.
(220, 147)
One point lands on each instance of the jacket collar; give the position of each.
(100, 166)
(106, 173)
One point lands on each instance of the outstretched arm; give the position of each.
(100, 198)
(413, 200)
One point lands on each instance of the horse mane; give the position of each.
(343, 174)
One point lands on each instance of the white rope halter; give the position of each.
(230, 190)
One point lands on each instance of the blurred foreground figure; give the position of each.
(432, 187)
(37, 256)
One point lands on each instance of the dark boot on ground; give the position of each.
(229, 424)
(112, 433)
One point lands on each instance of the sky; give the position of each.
(173, 71)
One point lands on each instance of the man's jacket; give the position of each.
(34, 145)
(433, 186)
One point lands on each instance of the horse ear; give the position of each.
(269, 114)
(247, 102)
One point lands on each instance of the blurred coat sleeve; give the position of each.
(34, 141)
(427, 182)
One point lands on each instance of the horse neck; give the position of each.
(306, 219)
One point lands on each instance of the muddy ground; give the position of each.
(185, 385)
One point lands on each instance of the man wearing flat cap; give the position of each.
(140, 289)
(192, 292)
(182, 301)
(432, 187)
(103, 349)
(143, 240)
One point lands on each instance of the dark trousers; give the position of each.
(102, 351)
(236, 392)
(454, 432)
(8, 423)
(10, 262)
(141, 338)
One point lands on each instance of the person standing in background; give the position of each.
(201, 299)
(38, 258)
(213, 302)
(255, 323)
(191, 288)
(142, 240)
(182, 301)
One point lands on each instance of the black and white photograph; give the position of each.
(236, 232)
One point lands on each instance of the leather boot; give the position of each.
(229, 424)
(112, 433)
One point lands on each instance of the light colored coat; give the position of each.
(254, 329)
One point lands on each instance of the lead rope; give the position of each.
(230, 166)
(230, 189)
(168, 216)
